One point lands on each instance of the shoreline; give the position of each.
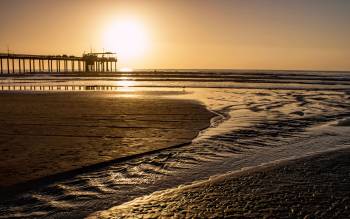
(306, 187)
(62, 125)
(260, 127)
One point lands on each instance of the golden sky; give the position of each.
(192, 34)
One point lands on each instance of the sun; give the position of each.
(126, 37)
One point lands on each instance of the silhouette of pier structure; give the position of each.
(89, 62)
(63, 87)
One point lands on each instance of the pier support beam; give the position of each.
(19, 66)
(8, 66)
(24, 65)
(30, 65)
(13, 66)
(1, 66)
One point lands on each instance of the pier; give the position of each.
(24, 63)
(65, 87)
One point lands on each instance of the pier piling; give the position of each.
(19, 65)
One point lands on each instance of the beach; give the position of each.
(315, 186)
(46, 134)
(75, 146)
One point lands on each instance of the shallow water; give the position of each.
(249, 79)
(253, 126)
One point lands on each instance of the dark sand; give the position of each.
(43, 134)
(311, 187)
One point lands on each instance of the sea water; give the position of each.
(262, 116)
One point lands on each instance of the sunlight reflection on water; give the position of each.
(125, 84)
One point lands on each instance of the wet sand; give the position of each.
(315, 186)
(43, 134)
(255, 126)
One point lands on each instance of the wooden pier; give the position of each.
(24, 63)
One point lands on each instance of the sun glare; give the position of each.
(127, 38)
(125, 69)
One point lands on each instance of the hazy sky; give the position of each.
(253, 34)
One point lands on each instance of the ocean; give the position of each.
(260, 117)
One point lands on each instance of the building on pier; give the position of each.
(90, 62)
